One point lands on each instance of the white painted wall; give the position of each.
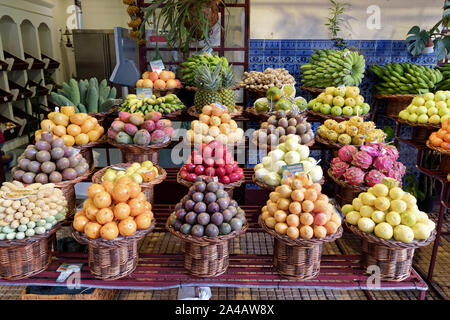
(104, 14)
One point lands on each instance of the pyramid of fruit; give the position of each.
(49, 160)
(355, 131)
(367, 166)
(269, 171)
(112, 209)
(345, 101)
(264, 80)
(134, 128)
(75, 128)
(212, 160)
(207, 210)
(297, 208)
(165, 80)
(30, 210)
(279, 126)
(433, 108)
(138, 172)
(441, 138)
(214, 123)
(389, 212)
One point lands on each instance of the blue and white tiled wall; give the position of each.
(290, 54)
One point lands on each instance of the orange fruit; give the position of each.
(120, 193)
(108, 185)
(87, 126)
(80, 222)
(445, 146)
(104, 216)
(102, 200)
(141, 197)
(204, 118)
(311, 195)
(121, 211)
(81, 139)
(73, 130)
(217, 111)
(127, 227)
(60, 119)
(59, 130)
(293, 220)
(109, 231)
(68, 140)
(306, 219)
(124, 180)
(207, 110)
(47, 125)
(320, 206)
(93, 189)
(78, 118)
(447, 137)
(147, 206)
(280, 216)
(316, 187)
(87, 203)
(143, 221)
(307, 206)
(135, 189)
(225, 118)
(93, 120)
(91, 212)
(92, 230)
(295, 208)
(136, 207)
(99, 129)
(79, 213)
(441, 133)
(93, 135)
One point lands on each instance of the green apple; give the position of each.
(317, 106)
(147, 164)
(445, 118)
(435, 119)
(429, 96)
(337, 111)
(447, 94)
(423, 118)
(418, 101)
(413, 109)
(443, 111)
(325, 108)
(350, 102)
(448, 102)
(129, 171)
(359, 100)
(109, 175)
(430, 104)
(340, 91)
(404, 115)
(365, 108)
(135, 165)
(338, 101)
(330, 90)
(441, 104)
(320, 97)
(348, 111)
(432, 111)
(440, 96)
(357, 110)
(136, 177)
(351, 92)
(421, 110)
(311, 103)
(328, 99)
(412, 117)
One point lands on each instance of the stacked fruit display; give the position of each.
(433, 108)
(28, 210)
(165, 80)
(388, 211)
(113, 209)
(167, 104)
(137, 172)
(269, 171)
(189, 66)
(355, 131)
(441, 138)
(212, 160)
(207, 210)
(281, 99)
(49, 160)
(405, 78)
(341, 101)
(279, 126)
(86, 96)
(369, 166)
(297, 208)
(134, 128)
(214, 123)
(74, 128)
(326, 68)
(255, 80)
(445, 83)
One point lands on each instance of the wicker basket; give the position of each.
(421, 131)
(238, 112)
(163, 92)
(86, 151)
(347, 192)
(111, 260)
(138, 153)
(331, 144)
(297, 259)
(395, 102)
(147, 187)
(68, 189)
(256, 93)
(174, 115)
(444, 164)
(314, 91)
(227, 187)
(206, 257)
(20, 259)
(334, 117)
(394, 258)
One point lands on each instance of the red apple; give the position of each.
(220, 171)
(229, 169)
(210, 172)
(190, 167)
(184, 174)
(199, 169)
(234, 177)
(191, 177)
(209, 162)
(224, 180)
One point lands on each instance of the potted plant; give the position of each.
(186, 20)
(335, 21)
(418, 39)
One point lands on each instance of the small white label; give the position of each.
(144, 92)
(157, 66)
(218, 104)
(56, 109)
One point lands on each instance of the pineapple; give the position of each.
(227, 93)
(207, 83)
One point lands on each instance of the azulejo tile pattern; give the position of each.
(290, 54)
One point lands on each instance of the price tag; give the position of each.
(207, 50)
(218, 104)
(142, 92)
(157, 66)
(290, 170)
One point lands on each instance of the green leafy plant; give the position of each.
(412, 185)
(389, 131)
(335, 21)
(186, 21)
(417, 39)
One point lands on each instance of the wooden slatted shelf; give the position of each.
(37, 64)
(52, 63)
(5, 96)
(18, 63)
(40, 90)
(23, 93)
(3, 65)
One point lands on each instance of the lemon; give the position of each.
(347, 208)
(403, 233)
(378, 216)
(368, 198)
(384, 230)
(408, 219)
(352, 217)
(380, 190)
(421, 231)
(393, 218)
(396, 193)
(288, 91)
(357, 204)
(366, 211)
(366, 224)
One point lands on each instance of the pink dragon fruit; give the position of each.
(373, 149)
(383, 163)
(339, 168)
(394, 174)
(391, 151)
(346, 153)
(398, 166)
(373, 177)
(362, 160)
(335, 160)
(354, 176)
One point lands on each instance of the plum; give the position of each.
(30, 153)
(198, 230)
(62, 164)
(43, 156)
(186, 228)
(58, 143)
(180, 214)
(55, 177)
(43, 145)
(236, 224)
(69, 174)
(48, 167)
(227, 215)
(211, 230)
(224, 228)
(28, 177)
(191, 217)
(210, 197)
(23, 163)
(189, 205)
(57, 153)
(34, 166)
(200, 207)
(212, 187)
(217, 218)
(18, 174)
(200, 186)
(203, 218)
(197, 196)
(41, 178)
(213, 207)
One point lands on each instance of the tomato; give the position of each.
(102, 200)
(127, 227)
(121, 211)
(109, 231)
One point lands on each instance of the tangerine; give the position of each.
(81, 139)
(80, 222)
(109, 231)
(136, 207)
(207, 110)
(93, 135)
(68, 140)
(141, 197)
(127, 227)
(104, 216)
(143, 221)
(91, 212)
(79, 213)
(59, 130)
(147, 206)
(102, 200)
(93, 189)
(78, 118)
(73, 130)
(121, 211)
(92, 230)
(124, 180)
(87, 126)
(135, 189)
(108, 185)
(121, 193)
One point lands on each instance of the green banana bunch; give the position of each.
(405, 78)
(444, 84)
(329, 68)
(167, 104)
(188, 67)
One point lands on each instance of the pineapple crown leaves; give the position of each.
(228, 78)
(206, 79)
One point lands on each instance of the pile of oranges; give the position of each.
(441, 138)
(74, 128)
(112, 209)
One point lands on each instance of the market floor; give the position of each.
(160, 242)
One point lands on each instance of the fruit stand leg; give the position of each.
(436, 243)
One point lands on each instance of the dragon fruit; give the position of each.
(394, 174)
(383, 163)
(391, 151)
(373, 177)
(354, 176)
(362, 160)
(346, 153)
(339, 168)
(335, 160)
(398, 166)
(373, 149)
